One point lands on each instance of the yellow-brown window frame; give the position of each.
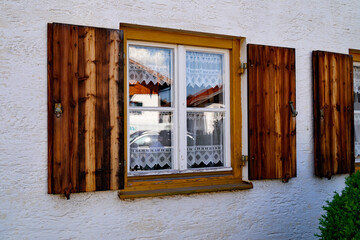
(185, 183)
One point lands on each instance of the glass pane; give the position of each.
(150, 76)
(357, 113)
(357, 87)
(150, 140)
(357, 135)
(205, 144)
(204, 80)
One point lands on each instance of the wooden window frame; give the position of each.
(194, 182)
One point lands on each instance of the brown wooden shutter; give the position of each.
(272, 125)
(85, 143)
(333, 113)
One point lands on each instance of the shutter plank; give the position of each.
(253, 81)
(316, 107)
(102, 110)
(50, 108)
(113, 99)
(74, 110)
(272, 134)
(90, 110)
(334, 101)
(288, 121)
(81, 155)
(333, 94)
(82, 82)
(279, 109)
(268, 121)
(121, 119)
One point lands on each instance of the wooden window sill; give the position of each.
(182, 186)
(357, 166)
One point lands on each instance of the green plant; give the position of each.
(342, 217)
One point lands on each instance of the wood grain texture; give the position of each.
(272, 128)
(333, 114)
(79, 73)
(235, 109)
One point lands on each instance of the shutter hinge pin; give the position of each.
(242, 68)
(244, 159)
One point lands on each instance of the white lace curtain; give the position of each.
(203, 69)
(140, 73)
(149, 158)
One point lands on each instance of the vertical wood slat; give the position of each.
(80, 141)
(121, 116)
(272, 129)
(90, 109)
(333, 114)
(50, 105)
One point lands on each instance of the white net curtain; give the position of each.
(150, 158)
(204, 71)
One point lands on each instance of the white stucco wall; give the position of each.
(271, 210)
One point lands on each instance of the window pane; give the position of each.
(357, 135)
(150, 140)
(357, 88)
(205, 145)
(357, 112)
(150, 76)
(204, 79)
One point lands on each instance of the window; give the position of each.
(180, 122)
(183, 112)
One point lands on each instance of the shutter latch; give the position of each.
(293, 111)
(58, 110)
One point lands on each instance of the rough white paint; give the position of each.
(272, 210)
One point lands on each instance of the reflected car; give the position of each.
(145, 139)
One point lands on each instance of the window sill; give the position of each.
(357, 166)
(185, 185)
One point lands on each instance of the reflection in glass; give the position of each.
(204, 79)
(150, 76)
(205, 145)
(150, 140)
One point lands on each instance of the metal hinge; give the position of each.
(244, 159)
(242, 68)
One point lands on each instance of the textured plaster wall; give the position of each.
(272, 210)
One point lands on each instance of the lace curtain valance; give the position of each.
(140, 73)
(204, 69)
